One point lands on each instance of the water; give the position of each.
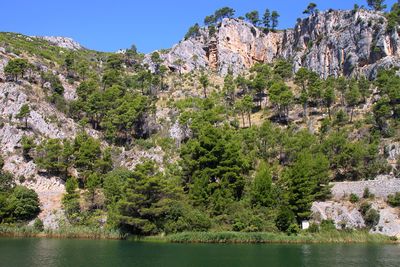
(55, 252)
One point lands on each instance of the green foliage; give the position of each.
(285, 219)
(311, 9)
(354, 198)
(70, 200)
(367, 194)
(364, 207)
(213, 168)
(253, 17)
(371, 218)
(283, 69)
(48, 156)
(314, 228)
(293, 229)
(22, 204)
(307, 181)
(24, 114)
(263, 192)
(274, 19)
(394, 200)
(377, 5)
(16, 67)
(282, 97)
(27, 145)
(38, 225)
(146, 201)
(193, 31)
(327, 226)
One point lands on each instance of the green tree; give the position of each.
(382, 112)
(49, 157)
(311, 9)
(193, 31)
(377, 5)
(213, 168)
(307, 181)
(204, 83)
(253, 17)
(262, 191)
(274, 19)
(28, 143)
(24, 114)
(282, 97)
(23, 204)
(329, 98)
(267, 19)
(146, 201)
(229, 89)
(284, 69)
(302, 79)
(209, 20)
(248, 106)
(225, 12)
(353, 97)
(15, 68)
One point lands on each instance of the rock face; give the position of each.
(347, 214)
(64, 42)
(329, 43)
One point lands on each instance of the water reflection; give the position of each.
(47, 252)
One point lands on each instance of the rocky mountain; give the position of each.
(136, 115)
(334, 42)
(64, 42)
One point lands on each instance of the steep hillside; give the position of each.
(236, 128)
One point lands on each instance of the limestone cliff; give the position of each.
(329, 43)
(63, 42)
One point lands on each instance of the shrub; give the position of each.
(371, 218)
(367, 193)
(327, 225)
(314, 228)
(284, 219)
(394, 200)
(38, 225)
(354, 198)
(23, 204)
(293, 229)
(365, 206)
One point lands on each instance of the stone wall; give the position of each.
(382, 186)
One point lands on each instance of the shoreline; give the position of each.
(85, 233)
(331, 237)
(62, 233)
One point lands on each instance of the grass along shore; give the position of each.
(74, 232)
(254, 238)
(80, 232)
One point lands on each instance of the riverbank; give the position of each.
(254, 238)
(64, 232)
(200, 237)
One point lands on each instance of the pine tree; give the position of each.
(24, 114)
(267, 19)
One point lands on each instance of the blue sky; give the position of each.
(149, 24)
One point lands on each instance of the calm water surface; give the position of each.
(54, 252)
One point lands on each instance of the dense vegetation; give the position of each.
(17, 203)
(250, 162)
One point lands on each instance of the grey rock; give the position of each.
(329, 43)
(64, 42)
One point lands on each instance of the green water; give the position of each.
(54, 252)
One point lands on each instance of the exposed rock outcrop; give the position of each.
(347, 214)
(64, 42)
(329, 43)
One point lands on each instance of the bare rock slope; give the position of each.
(329, 43)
